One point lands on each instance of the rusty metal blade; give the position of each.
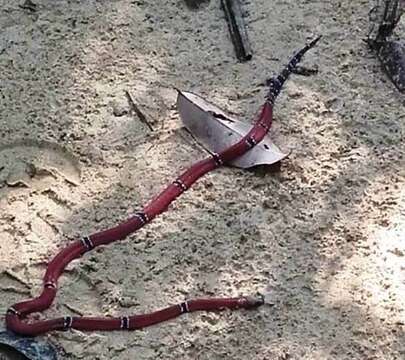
(217, 130)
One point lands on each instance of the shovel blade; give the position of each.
(218, 130)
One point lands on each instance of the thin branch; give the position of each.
(137, 111)
(29, 5)
(17, 277)
(305, 71)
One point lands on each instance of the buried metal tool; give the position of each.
(15, 347)
(390, 50)
(217, 130)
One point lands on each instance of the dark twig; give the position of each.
(237, 29)
(29, 5)
(305, 71)
(137, 111)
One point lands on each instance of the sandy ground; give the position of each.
(324, 238)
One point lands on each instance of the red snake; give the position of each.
(19, 311)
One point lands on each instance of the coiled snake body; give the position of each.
(16, 314)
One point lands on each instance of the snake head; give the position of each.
(251, 302)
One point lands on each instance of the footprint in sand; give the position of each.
(25, 162)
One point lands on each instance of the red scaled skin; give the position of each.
(158, 205)
(16, 313)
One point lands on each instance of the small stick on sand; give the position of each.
(237, 29)
(16, 277)
(137, 111)
(29, 5)
(73, 309)
(15, 290)
(305, 71)
(194, 4)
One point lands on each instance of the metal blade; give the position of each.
(217, 130)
